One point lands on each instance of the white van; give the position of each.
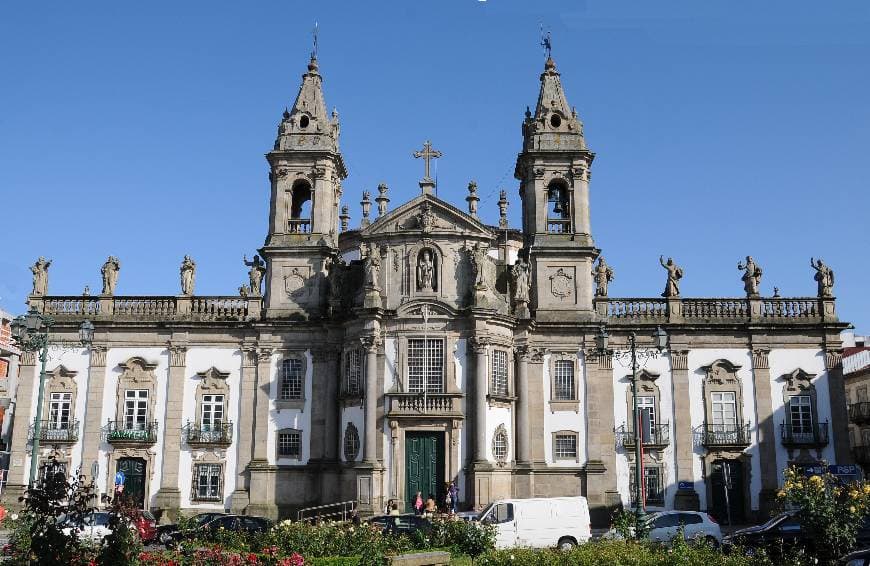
(540, 522)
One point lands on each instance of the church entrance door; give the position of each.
(134, 479)
(424, 466)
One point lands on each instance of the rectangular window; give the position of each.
(563, 386)
(59, 409)
(653, 485)
(646, 406)
(208, 482)
(136, 409)
(801, 416)
(212, 416)
(426, 365)
(290, 445)
(724, 405)
(291, 379)
(565, 447)
(353, 373)
(49, 468)
(499, 385)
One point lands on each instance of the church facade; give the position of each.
(425, 346)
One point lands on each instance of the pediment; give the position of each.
(722, 372)
(798, 380)
(436, 309)
(427, 215)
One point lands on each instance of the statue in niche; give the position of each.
(336, 278)
(372, 268)
(425, 271)
(479, 260)
(522, 281)
(255, 275)
(751, 276)
(188, 276)
(110, 274)
(603, 275)
(675, 273)
(824, 277)
(40, 276)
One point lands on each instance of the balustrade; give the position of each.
(144, 306)
(790, 308)
(643, 309)
(434, 404)
(708, 309)
(214, 308)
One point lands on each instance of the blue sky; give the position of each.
(721, 129)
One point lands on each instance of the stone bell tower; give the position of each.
(553, 170)
(306, 173)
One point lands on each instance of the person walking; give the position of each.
(453, 493)
(418, 504)
(431, 506)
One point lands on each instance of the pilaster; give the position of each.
(92, 419)
(169, 495)
(18, 470)
(523, 432)
(480, 347)
(371, 344)
(601, 492)
(248, 388)
(839, 415)
(264, 385)
(766, 429)
(686, 497)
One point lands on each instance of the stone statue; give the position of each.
(751, 276)
(188, 275)
(372, 268)
(336, 277)
(426, 219)
(244, 290)
(479, 260)
(255, 275)
(40, 276)
(522, 281)
(824, 277)
(110, 274)
(425, 271)
(603, 275)
(675, 273)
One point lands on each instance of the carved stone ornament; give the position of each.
(561, 285)
(98, 355)
(798, 381)
(136, 370)
(264, 355)
(833, 359)
(760, 359)
(722, 372)
(370, 343)
(679, 359)
(213, 379)
(249, 355)
(293, 282)
(426, 219)
(61, 379)
(177, 355)
(479, 344)
(28, 358)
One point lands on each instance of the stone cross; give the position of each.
(427, 154)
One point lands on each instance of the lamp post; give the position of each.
(661, 344)
(31, 332)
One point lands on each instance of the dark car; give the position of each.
(401, 524)
(781, 532)
(164, 532)
(232, 523)
(857, 558)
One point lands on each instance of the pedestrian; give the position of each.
(431, 506)
(448, 501)
(388, 507)
(418, 504)
(453, 490)
(394, 510)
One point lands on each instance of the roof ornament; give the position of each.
(546, 42)
(314, 41)
(427, 184)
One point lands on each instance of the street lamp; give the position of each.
(30, 332)
(660, 338)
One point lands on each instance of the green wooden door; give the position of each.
(424, 467)
(134, 479)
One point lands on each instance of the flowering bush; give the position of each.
(460, 537)
(829, 511)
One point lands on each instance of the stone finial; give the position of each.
(675, 273)
(382, 199)
(824, 278)
(188, 275)
(366, 204)
(751, 276)
(87, 291)
(110, 271)
(40, 276)
(502, 209)
(472, 199)
(344, 217)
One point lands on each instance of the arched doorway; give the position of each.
(134, 479)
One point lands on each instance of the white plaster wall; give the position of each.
(812, 361)
(200, 360)
(356, 415)
(460, 368)
(289, 418)
(565, 420)
(391, 376)
(498, 416)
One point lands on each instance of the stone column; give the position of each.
(523, 436)
(839, 414)
(244, 438)
(601, 491)
(169, 496)
(18, 471)
(325, 403)
(370, 345)
(686, 499)
(93, 418)
(264, 385)
(766, 430)
(479, 345)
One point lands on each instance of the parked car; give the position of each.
(539, 522)
(92, 527)
(401, 524)
(234, 523)
(664, 526)
(781, 532)
(164, 532)
(146, 525)
(857, 558)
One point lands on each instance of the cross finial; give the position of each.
(427, 154)
(314, 40)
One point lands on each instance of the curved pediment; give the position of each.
(437, 309)
(721, 372)
(798, 380)
(427, 215)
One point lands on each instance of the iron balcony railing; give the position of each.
(725, 435)
(859, 413)
(654, 436)
(123, 432)
(815, 435)
(216, 433)
(53, 432)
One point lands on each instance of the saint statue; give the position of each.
(751, 276)
(425, 271)
(110, 274)
(603, 275)
(479, 260)
(522, 281)
(675, 273)
(188, 276)
(255, 275)
(824, 277)
(336, 276)
(372, 268)
(40, 276)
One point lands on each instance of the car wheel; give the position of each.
(566, 543)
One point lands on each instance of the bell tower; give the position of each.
(553, 170)
(306, 170)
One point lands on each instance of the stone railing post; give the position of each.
(829, 309)
(755, 313)
(675, 309)
(107, 305)
(255, 308)
(601, 306)
(183, 305)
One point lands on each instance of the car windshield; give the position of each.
(775, 520)
(485, 510)
(203, 518)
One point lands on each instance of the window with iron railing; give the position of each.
(290, 444)
(426, 365)
(208, 482)
(291, 379)
(653, 485)
(353, 373)
(499, 382)
(563, 380)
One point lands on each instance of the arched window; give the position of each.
(351, 443)
(558, 209)
(500, 445)
(300, 208)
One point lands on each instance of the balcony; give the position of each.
(814, 436)
(299, 225)
(558, 226)
(859, 413)
(723, 436)
(120, 433)
(56, 433)
(425, 405)
(218, 434)
(657, 436)
(861, 454)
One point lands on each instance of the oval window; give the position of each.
(555, 121)
(303, 122)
